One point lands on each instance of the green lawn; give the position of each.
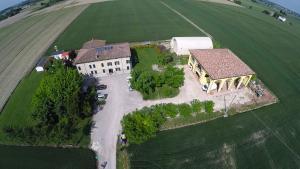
(264, 138)
(13, 157)
(146, 58)
(17, 110)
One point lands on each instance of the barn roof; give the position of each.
(193, 42)
(221, 63)
(113, 51)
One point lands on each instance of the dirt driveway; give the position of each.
(121, 101)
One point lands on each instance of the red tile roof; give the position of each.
(113, 51)
(221, 63)
(94, 43)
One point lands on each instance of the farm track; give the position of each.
(20, 51)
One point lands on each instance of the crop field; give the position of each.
(264, 138)
(22, 43)
(131, 21)
(13, 157)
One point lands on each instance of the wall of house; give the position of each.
(105, 67)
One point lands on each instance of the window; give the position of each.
(102, 64)
(109, 64)
(92, 72)
(118, 69)
(96, 72)
(127, 61)
(128, 67)
(78, 67)
(117, 63)
(94, 66)
(90, 66)
(103, 70)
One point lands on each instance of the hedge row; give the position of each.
(143, 124)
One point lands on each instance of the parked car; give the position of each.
(101, 87)
(101, 96)
(205, 88)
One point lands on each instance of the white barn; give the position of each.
(182, 45)
(282, 19)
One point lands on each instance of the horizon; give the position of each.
(293, 5)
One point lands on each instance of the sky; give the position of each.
(7, 3)
(290, 4)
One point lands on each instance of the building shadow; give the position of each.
(134, 57)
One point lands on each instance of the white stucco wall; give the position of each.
(97, 68)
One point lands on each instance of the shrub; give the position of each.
(237, 2)
(170, 110)
(165, 59)
(217, 44)
(185, 109)
(183, 60)
(266, 12)
(209, 106)
(139, 127)
(196, 106)
(166, 91)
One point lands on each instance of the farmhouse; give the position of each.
(97, 59)
(219, 69)
(182, 45)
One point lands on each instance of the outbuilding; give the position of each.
(40, 66)
(182, 45)
(282, 19)
(219, 68)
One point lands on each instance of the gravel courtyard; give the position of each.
(121, 101)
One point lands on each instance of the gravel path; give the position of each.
(121, 101)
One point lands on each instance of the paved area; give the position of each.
(121, 101)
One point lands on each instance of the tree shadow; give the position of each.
(134, 57)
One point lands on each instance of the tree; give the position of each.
(138, 127)
(266, 12)
(56, 103)
(72, 54)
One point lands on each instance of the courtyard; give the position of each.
(121, 101)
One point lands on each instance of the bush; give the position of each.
(165, 59)
(196, 106)
(185, 109)
(141, 125)
(183, 60)
(138, 127)
(209, 106)
(237, 2)
(166, 91)
(152, 84)
(170, 110)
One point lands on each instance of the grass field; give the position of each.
(133, 21)
(13, 157)
(264, 138)
(22, 43)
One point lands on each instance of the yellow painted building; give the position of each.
(219, 69)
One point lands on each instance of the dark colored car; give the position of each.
(101, 87)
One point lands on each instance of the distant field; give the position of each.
(22, 43)
(264, 138)
(124, 20)
(13, 157)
